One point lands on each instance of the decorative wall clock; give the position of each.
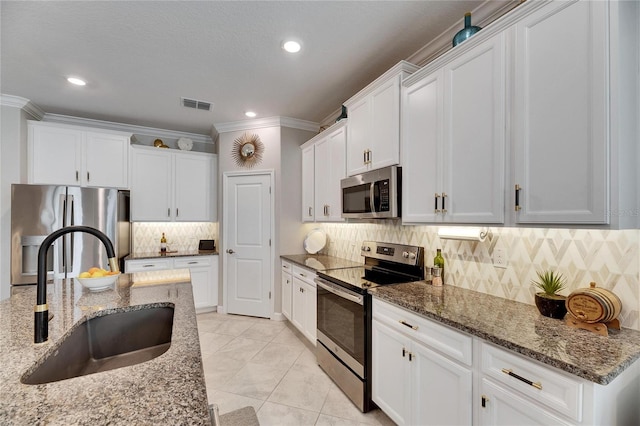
(247, 150)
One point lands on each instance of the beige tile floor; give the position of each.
(270, 366)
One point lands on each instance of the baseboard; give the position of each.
(278, 316)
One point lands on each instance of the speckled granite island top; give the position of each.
(320, 262)
(519, 327)
(169, 389)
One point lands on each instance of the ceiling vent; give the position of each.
(195, 104)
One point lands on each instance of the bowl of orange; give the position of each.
(97, 279)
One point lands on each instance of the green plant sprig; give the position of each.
(550, 282)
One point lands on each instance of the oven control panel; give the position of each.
(399, 253)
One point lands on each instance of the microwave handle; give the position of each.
(372, 203)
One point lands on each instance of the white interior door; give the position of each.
(248, 220)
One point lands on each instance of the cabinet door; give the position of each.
(358, 139)
(385, 125)
(106, 160)
(473, 167)
(441, 389)
(322, 172)
(193, 188)
(151, 185)
(298, 304)
(338, 163)
(506, 408)
(204, 277)
(421, 148)
(560, 114)
(287, 288)
(308, 196)
(55, 156)
(390, 373)
(310, 322)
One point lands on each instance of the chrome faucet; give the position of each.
(41, 329)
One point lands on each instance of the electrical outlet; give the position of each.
(500, 258)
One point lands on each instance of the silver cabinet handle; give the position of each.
(195, 262)
(77, 176)
(403, 322)
(168, 212)
(148, 266)
(230, 251)
(88, 177)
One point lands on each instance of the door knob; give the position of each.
(230, 251)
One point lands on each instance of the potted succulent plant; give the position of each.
(548, 301)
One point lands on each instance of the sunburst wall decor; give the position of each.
(247, 150)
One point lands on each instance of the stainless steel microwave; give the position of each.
(373, 195)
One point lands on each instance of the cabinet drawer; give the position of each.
(193, 262)
(287, 267)
(541, 383)
(148, 265)
(305, 275)
(449, 342)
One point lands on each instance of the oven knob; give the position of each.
(405, 254)
(366, 248)
(412, 255)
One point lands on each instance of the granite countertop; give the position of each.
(169, 389)
(519, 327)
(157, 254)
(320, 262)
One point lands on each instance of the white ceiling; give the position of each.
(141, 57)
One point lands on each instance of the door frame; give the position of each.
(223, 246)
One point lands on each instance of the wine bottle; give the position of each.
(438, 262)
(163, 243)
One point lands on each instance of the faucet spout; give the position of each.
(41, 324)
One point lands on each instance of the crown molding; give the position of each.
(483, 15)
(260, 123)
(129, 128)
(400, 67)
(22, 103)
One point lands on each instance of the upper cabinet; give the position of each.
(453, 139)
(323, 166)
(560, 115)
(528, 123)
(169, 185)
(60, 154)
(373, 135)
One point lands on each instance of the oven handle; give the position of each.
(372, 202)
(356, 298)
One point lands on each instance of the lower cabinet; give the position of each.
(287, 287)
(426, 373)
(203, 271)
(303, 302)
(412, 382)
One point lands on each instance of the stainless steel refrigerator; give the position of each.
(38, 210)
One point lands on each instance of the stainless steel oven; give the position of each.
(344, 314)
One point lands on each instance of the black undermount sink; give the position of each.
(105, 343)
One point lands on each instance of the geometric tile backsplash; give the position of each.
(610, 258)
(181, 236)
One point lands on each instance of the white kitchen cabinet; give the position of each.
(453, 139)
(203, 271)
(323, 166)
(560, 117)
(303, 302)
(173, 186)
(308, 183)
(287, 289)
(373, 134)
(421, 371)
(61, 154)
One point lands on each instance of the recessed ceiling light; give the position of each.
(250, 114)
(291, 46)
(76, 81)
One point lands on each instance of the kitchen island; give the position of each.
(169, 389)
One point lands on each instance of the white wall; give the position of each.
(13, 158)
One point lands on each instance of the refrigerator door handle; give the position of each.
(62, 248)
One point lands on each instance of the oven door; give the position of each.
(342, 324)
